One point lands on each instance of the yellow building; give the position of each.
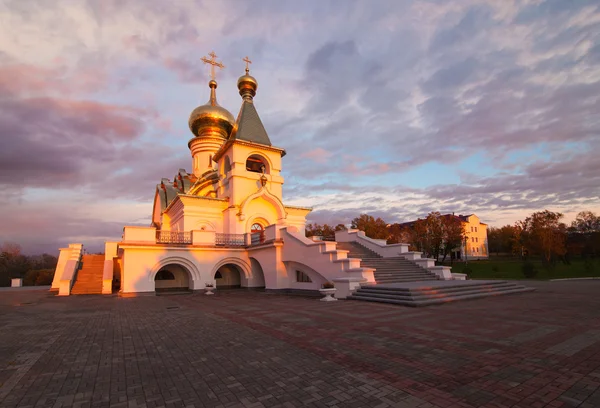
(476, 242)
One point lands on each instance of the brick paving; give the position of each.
(256, 349)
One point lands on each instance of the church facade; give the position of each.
(224, 223)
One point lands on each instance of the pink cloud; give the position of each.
(367, 169)
(318, 155)
(24, 79)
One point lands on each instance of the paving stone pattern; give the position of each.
(256, 349)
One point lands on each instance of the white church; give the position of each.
(224, 224)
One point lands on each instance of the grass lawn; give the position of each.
(510, 268)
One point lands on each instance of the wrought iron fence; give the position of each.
(173, 237)
(230, 240)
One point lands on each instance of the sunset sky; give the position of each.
(392, 108)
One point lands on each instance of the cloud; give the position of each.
(501, 95)
(318, 155)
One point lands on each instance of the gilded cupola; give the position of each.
(211, 118)
(247, 84)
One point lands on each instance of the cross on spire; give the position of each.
(213, 63)
(247, 61)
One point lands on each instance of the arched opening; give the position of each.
(257, 164)
(257, 232)
(257, 280)
(226, 165)
(228, 276)
(172, 278)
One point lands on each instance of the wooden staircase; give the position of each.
(89, 277)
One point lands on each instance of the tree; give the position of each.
(427, 235)
(324, 230)
(453, 234)
(502, 239)
(398, 233)
(12, 263)
(586, 222)
(543, 234)
(314, 230)
(373, 228)
(584, 235)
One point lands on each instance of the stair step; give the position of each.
(89, 277)
(441, 300)
(436, 288)
(424, 295)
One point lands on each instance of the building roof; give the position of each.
(463, 218)
(249, 127)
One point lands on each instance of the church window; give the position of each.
(257, 234)
(476, 239)
(475, 229)
(256, 164)
(302, 277)
(226, 165)
(210, 160)
(164, 275)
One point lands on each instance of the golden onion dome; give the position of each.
(211, 118)
(247, 85)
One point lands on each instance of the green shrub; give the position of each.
(467, 270)
(495, 269)
(529, 270)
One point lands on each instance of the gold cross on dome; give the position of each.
(247, 61)
(213, 63)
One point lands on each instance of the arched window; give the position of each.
(226, 165)
(256, 164)
(164, 275)
(257, 234)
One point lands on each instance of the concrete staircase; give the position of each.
(89, 277)
(433, 293)
(387, 270)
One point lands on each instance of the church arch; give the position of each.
(268, 197)
(188, 266)
(172, 277)
(257, 280)
(259, 219)
(228, 276)
(204, 225)
(244, 267)
(257, 163)
(226, 165)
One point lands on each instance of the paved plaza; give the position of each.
(256, 349)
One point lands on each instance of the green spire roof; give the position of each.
(249, 127)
